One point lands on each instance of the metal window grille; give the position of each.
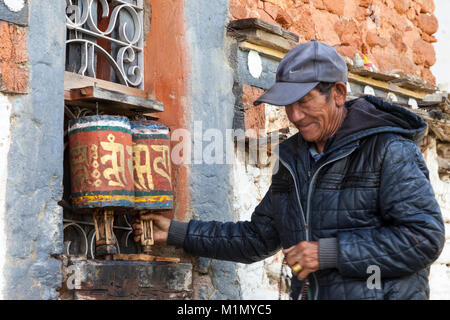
(105, 40)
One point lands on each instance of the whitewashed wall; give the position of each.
(442, 47)
(440, 272)
(258, 280)
(5, 113)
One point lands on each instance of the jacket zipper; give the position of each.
(304, 288)
(306, 220)
(298, 197)
(308, 207)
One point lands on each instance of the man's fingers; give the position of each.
(303, 274)
(288, 249)
(153, 215)
(147, 216)
(136, 226)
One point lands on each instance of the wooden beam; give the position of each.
(114, 99)
(73, 80)
(271, 53)
(386, 86)
(266, 39)
(144, 257)
(254, 23)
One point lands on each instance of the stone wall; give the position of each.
(212, 102)
(394, 35)
(440, 272)
(32, 70)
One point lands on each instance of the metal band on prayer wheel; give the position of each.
(152, 165)
(101, 162)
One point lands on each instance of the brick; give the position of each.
(365, 3)
(424, 53)
(349, 33)
(361, 13)
(335, 6)
(304, 25)
(318, 4)
(346, 51)
(238, 11)
(324, 23)
(427, 23)
(401, 5)
(397, 41)
(429, 38)
(284, 19)
(428, 76)
(411, 14)
(260, 4)
(13, 58)
(426, 6)
(254, 116)
(372, 39)
(261, 14)
(271, 9)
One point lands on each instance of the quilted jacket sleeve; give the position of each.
(413, 235)
(243, 241)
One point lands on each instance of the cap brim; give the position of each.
(284, 93)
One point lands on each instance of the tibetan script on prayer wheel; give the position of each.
(101, 162)
(152, 165)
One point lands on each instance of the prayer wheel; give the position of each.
(152, 173)
(101, 172)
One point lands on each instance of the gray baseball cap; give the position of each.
(301, 70)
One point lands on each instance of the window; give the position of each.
(105, 40)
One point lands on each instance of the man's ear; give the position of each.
(340, 93)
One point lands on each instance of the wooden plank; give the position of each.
(134, 257)
(266, 39)
(362, 71)
(386, 86)
(415, 85)
(168, 259)
(118, 99)
(73, 80)
(271, 53)
(254, 23)
(144, 257)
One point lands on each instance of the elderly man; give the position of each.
(351, 195)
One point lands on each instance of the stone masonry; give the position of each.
(394, 35)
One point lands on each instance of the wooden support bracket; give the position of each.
(144, 257)
(89, 96)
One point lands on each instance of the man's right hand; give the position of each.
(161, 226)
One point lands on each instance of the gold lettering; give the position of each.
(164, 160)
(142, 169)
(130, 161)
(79, 164)
(117, 170)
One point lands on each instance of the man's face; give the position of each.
(312, 116)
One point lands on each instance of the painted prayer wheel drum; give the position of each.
(152, 165)
(101, 162)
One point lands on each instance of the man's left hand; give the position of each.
(306, 254)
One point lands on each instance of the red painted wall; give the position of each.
(166, 79)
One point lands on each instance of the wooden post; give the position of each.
(105, 241)
(147, 234)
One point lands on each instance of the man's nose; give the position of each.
(296, 114)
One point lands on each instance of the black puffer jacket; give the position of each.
(370, 192)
